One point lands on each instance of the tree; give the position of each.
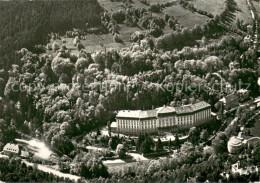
(82, 63)
(89, 166)
(204, 135)
(112, 143)
(170, 144)
(177, 141)
(140, 140)
(220, 143)
(158, 145)
(61, 144)
(2, 87)
(121, 151)
(204, 41)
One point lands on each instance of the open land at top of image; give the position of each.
(214, 7)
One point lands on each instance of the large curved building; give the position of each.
(166, 117)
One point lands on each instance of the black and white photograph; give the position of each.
(129, 91)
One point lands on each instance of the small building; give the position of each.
(113, 127)
(237, 168)
(257, 101)
(230, 101)
(235, 144)
(10, 148)
(243, 94)
(234, 65)
(248, 39)
(249, 29)
(25, 154)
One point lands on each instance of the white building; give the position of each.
(235, 144)
(236, 168)
(136, 121)
(11, 149)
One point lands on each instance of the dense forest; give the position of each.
(16, 171)
(27, 23)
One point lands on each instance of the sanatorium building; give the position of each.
(166, 117)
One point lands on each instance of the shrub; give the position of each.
(156, 8)
(118, 16)
(117, 38)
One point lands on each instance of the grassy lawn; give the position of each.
(160, 1)
(214, 7)
(185, 17)
(257, 6)
(115, 6)
(111, 6)
(116, 167)
(244, 13)
(126, 32)
(92, 43)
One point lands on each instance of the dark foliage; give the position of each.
(26, 23)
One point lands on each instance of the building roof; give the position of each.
(113, 125)
(138, 114)
(11, 148)
(229, 98)
(242, 91)
(199, 106)
(165, 109)
(235, 141)
(25, 154)
(183, 109)
(257, 100)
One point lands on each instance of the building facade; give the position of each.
(10, 148)
(136, 121)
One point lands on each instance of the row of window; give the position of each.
(9, 149)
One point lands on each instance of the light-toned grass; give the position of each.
(115, 6)
(111, 6)
(161, 1)
(214, 7)
(243, 13)
(92, 43)
(186, 17)
(257, 6)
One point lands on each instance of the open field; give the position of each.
(92, 43)
(115, 6)
(161, 1)
(126, 32)
(118, 166)
(186, 17)
(257, 6)
(214, 7)
(244, 13)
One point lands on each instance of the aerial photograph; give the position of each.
(130, 91)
